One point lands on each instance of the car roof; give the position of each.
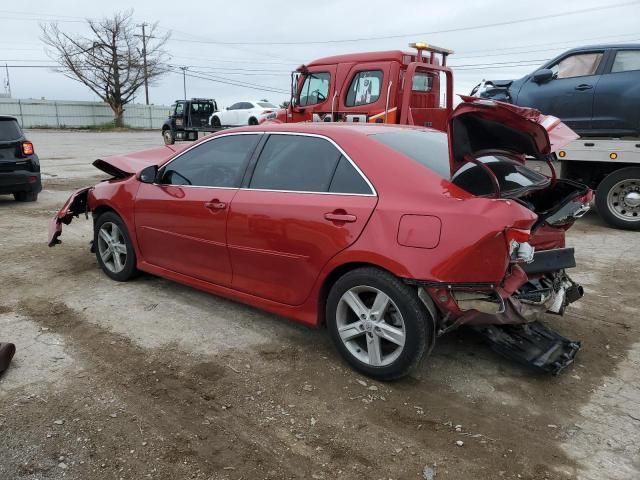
(329, 129)
(8, 117)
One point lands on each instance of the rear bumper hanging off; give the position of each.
(532, 344)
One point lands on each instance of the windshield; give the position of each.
(267, 105)
(430, 149)
(9, 130)
(513, 177)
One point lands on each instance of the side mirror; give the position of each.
(543, 75)
(148, 174)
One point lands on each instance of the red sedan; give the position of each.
(389, 236)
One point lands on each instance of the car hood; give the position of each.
(479, 124)
(121, 166)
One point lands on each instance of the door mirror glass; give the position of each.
(543, 75)
(148, 174)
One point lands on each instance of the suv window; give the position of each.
(364, 88)
(220, 162)
(577, 65)
(346, 179)
(315, 89)
(296, 163)
(9, 130)
(626, 60)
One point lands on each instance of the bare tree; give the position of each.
(110, 60)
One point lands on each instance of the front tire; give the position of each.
(378, 323)
(114, 250)
(618, 198)
(253, 121)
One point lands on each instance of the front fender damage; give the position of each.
(75, 205)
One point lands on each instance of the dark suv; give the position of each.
(19, 165)
(595, 90)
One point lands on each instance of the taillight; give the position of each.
(27, 148)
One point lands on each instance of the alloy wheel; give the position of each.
(112, 247)
(370, 326)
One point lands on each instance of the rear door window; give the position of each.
(626, 60)
(220, 162)
(365, 88)
(9, 130)
(296, 163)
(347, 179)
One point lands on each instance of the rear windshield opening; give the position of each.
(9, 130)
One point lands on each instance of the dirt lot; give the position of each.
(151, 379)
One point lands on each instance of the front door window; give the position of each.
(315, 89)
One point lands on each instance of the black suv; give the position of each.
(19, 165)
(595, 90)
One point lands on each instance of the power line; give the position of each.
(263, 88)
(416, 34)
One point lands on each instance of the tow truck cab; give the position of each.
(411, 88)
(187, 118)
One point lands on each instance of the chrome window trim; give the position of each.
(373, 193)
(344, 154)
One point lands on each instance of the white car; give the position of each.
(243, 113)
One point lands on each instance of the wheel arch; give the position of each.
(333, 275)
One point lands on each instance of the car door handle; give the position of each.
(216, 205)
(584, 86)
(340, 216)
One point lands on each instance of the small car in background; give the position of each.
(244, 113)
(19, 164)
(389, 235)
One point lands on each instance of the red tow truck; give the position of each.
(414, 88)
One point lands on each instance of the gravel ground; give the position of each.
(150, 379)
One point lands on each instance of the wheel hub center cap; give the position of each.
(368, 325)
(632, 199)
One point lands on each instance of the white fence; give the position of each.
(70, 114)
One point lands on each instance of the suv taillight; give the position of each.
(27, 148)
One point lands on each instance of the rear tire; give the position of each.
(114, 250)
(167, 136)
(25, 196)
(215, 122)
(618, 198)
(393, 330)
(253, 121)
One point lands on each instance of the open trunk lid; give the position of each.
(121, 166)
(479, 124)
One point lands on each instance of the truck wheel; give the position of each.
(167, 136)
(618, 198)
(378, 323)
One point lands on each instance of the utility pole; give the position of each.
(6, 66)
(144, 60)
(184, 80)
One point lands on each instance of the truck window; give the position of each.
(577, 65)
(364, 88)
(422, 82)
(315, 88)
(179, 109)
(626, 60)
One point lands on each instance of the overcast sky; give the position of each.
(497, 52)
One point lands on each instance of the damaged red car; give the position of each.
(390, 236)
